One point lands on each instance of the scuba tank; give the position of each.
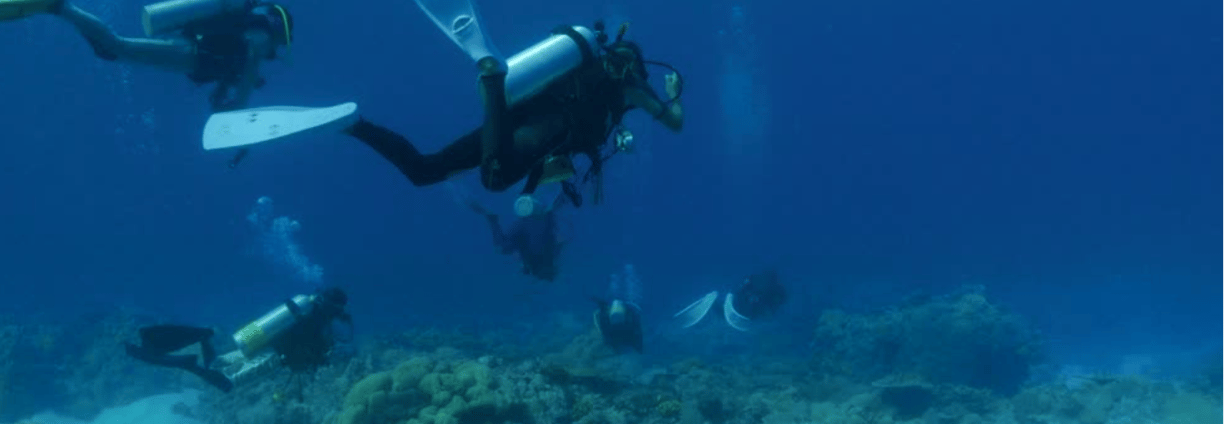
(257, 335)
(534, 68)
(172, 15)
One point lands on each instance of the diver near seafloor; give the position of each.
(759, 296)
(533, 127)
(220, 42)
(619, 323)
(534, 236)
(297, 335)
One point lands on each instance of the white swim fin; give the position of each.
(734, 319)
(257, 125)
(460, 21)
(693, 313)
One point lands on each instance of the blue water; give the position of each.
(1063, 154)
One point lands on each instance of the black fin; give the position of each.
(214, 377)
(635, 334)
(155, 358)
(636, 339)
(184, 362)
(169, 338)
(208, 352)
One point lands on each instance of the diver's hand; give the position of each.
(673, 84)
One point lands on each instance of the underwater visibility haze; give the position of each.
(850, 212)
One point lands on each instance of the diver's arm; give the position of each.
(500, 240)
(639, 94)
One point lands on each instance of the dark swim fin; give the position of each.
(213, 377)
(184, 362)
(635, 338)
(153, 357)
(169, 338)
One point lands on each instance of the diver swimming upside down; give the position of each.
(534, 237)
(759, 296)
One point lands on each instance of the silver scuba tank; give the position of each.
(257, 335)
(535, 67)
(172, 15)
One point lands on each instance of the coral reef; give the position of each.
(440, 376)
(432, 390)
(78, 367)
(957, 339)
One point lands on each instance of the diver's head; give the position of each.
(624, 58)
(331, 302)
(277, 20)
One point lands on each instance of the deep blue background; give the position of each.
(1064, 154)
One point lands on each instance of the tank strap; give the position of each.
(587, 53)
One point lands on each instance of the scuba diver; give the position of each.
(297, 334)
(620, 324)
(209, 41)
(533, 236)
(759, 296)
(533, 132)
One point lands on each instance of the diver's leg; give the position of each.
(497, 136)
(422, 170)
(18, 9)
(177, 55)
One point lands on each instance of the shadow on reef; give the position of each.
(491, 414)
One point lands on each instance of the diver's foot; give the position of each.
(11, 10)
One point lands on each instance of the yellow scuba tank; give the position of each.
(171, 15)
(257, 335)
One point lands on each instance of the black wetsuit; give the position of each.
(623, 335)
(583, 105)
(306, 345)
(221, 57)
(534, 238)
(222, 51)
(761, 295)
